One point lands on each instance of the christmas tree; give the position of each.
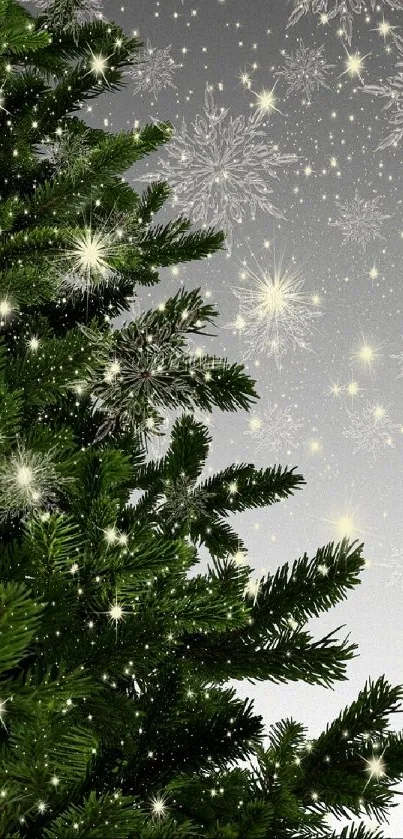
(115, 715)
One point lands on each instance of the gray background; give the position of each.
(214, 42)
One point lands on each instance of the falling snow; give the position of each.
(371, 429)
(343, 10)
(220, 168)
(274, 313)
(360, 219)
(305, 70)
(153, 70)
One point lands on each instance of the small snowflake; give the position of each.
(220, 169)
(275, 431)
(183, 501)
(153, 70)
(371, 429)
(305, 70)
(360, 219)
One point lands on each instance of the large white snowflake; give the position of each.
(220, 169)
(305, 70)
(344, 10)
(153, 70)
(371, 428)
(360, 219)
(274, 313)
(274, 431)
(392, 91)
(69, 14)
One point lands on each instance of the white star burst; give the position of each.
(220, 170)
(275, 313)
(88, 256)
(376, 767)
(158, 806)
(28, 481)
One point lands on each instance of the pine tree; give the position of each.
(115, 715)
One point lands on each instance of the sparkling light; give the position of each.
(266, 101)
(89, 253)
(354, 65)
(158, 806)
(278, 314)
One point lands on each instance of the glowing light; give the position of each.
(116, 612)
(278, 313)
(345, 526)
(158, 806)
(367, 354)
(374, 273)
(5, 309)
(98, 64)
(111, 535)
(266, 101)
(90, 252)
(375, 767)
(384, 28)
(252, 589)
(112, 371)
(352, 388)
(33, 343)
(239, 558)
(255, 424)
(3, 710)
(354, 65)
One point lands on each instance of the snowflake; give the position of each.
(371, 429)
(220, 170)
(153, 70)
(345, 10)
(360, 219)
(69, 150)
(28, 481)
(392, 91)
(183, 501)
(274, 431)
(69, 14)
(274, 313)
(305, 70)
